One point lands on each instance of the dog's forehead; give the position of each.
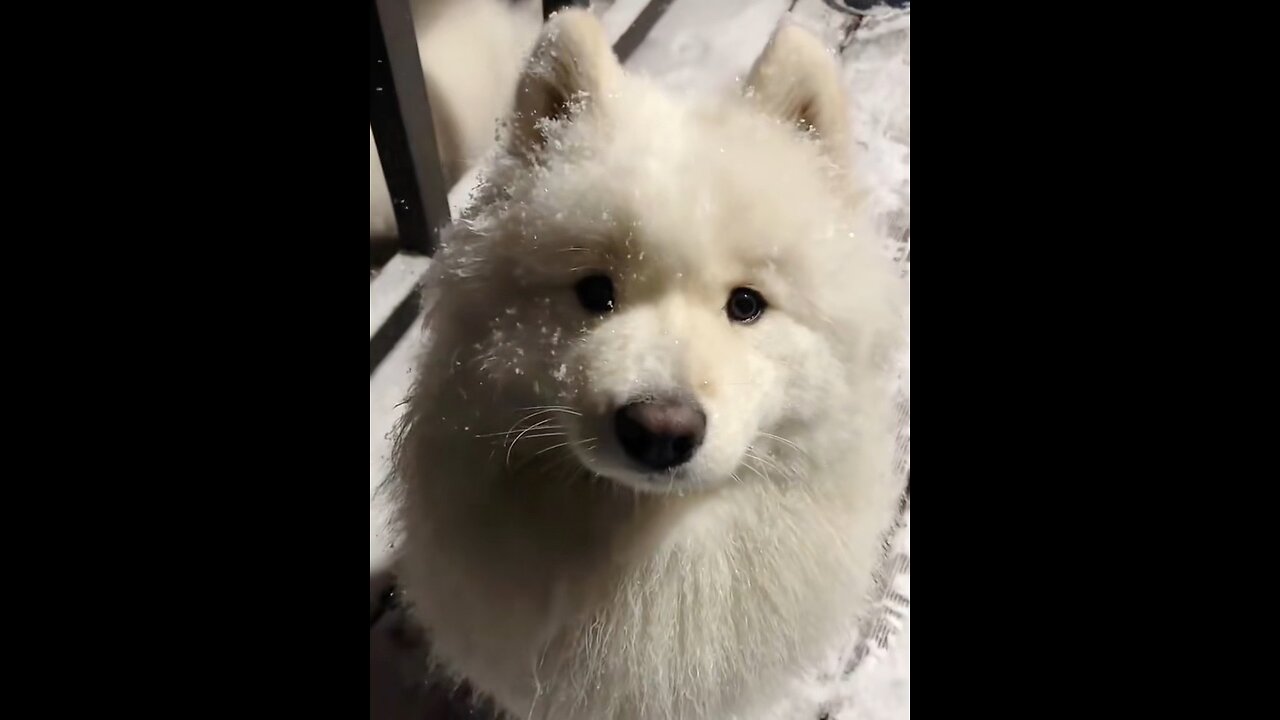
(697, 165)
(669, 184)
(718, 138)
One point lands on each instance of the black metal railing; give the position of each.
(400, 116)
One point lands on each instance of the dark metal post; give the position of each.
(639, 28)
(400, 116)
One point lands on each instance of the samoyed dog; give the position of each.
(646, 465)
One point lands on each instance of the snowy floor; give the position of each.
(704, 46)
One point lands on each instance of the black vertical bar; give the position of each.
(639, 28)
(400, 116)
(550, 6)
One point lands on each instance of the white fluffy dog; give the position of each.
(646, 463)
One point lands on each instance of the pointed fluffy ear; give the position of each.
(571, 62)
(796, 80)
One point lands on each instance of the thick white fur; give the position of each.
(550, 573)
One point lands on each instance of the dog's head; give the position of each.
(676, 292)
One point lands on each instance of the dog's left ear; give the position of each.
(796, 80)
(571, 63)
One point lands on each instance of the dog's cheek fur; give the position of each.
(507, 324)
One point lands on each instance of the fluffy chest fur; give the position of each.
(569, 598)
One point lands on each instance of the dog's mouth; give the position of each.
(675, 481)
(606, 458)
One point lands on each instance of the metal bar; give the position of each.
(400, 116)
(398, 278)
(394, 303)
(390, 332)
(638, 28)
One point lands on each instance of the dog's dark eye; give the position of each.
(595, 292)
(745, 305)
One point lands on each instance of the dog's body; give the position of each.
(551, 564)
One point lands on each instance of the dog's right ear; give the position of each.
(572, 63)
(796, 80)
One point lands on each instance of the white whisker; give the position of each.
(549, 449)
(785, 441)
(534, 426)
(765, 461)
(564, 408)
(753, 469)
(513, 432)
(544, 435)
(512, 446)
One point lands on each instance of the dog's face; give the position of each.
(679, 298)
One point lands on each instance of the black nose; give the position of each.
(660, 434)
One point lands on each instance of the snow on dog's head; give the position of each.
(677, 291)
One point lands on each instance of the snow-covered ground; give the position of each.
(705, 46)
